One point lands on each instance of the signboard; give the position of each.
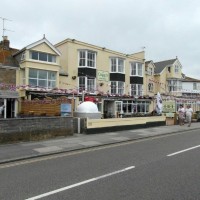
(102, 75)
(169, 106)
(171, 115)
(8, 94)
(65, 109)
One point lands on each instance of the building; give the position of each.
(149, 81)
(168, 77)
(174, 86)
(114, 80)
(8, 68)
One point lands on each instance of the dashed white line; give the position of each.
(80, 183)
(178, 152)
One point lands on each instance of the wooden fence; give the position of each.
(44, 107)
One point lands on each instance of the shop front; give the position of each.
(120, 108)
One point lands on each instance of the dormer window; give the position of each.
(41, 56)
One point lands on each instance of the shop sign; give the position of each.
(169, 107)
(103, 76)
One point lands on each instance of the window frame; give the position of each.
(117, 87)
(86, 84)
(84, 57)
(176, 69)
(38, 55)
(38, 78)
(116, 66)
(138, 91)
(136, 69)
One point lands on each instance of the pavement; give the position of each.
(27, 150)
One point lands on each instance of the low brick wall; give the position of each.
(36, 128)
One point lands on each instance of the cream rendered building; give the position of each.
(168, 77)
(113, 79)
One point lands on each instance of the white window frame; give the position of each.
(174, 85)
(116, 66)
(86, 58)
(117, 87)
(50, 83)
(176, 69)
(194, 86)
(136, 69)
(136, 89)
(47, 54)
(88, 86)
(150, 87)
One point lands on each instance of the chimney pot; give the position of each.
(6, 43)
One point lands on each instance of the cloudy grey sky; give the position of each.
(166, 28)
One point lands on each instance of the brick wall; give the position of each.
(36, 128)
(8, 76)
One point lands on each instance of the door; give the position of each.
(118, 108)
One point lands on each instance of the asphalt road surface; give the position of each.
(160, 168)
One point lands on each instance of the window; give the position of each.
(136, 90)
(151, 71)
(176, 70)
(117, 87)
(87, 84)
(117, 65)
(135, 107)
(169, 69)
(150, 87)
(87, 58)
(42, 78)
(174, 85)
(45, 57)
(23, 56)
(136, 69)
(194, 86)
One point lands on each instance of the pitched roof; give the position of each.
(43, 40)
(148, 62)
(159, 66)
(189, 79)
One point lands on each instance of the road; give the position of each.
(159, 168)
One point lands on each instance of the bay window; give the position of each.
(42, 78)
(117, 87)
(117, 65)
(87, 84)
(136, 89)
(87, 58)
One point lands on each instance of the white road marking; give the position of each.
(178, 152)
(80, 183)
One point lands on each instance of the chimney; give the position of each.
(6, 43)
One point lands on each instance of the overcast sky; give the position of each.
(166, 28)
